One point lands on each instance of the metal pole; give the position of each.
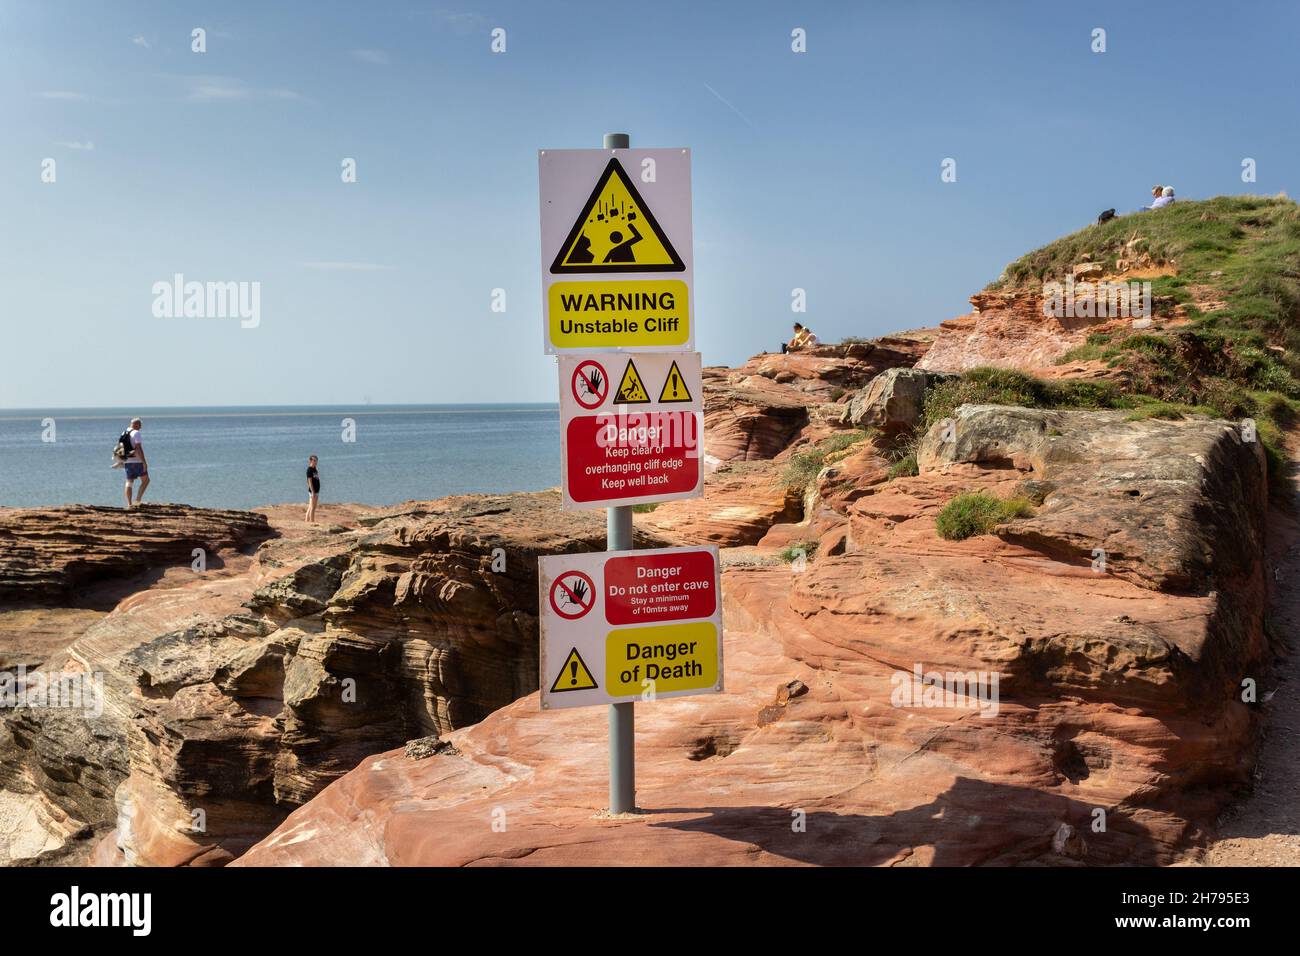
(622, 726)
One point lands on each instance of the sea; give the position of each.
(246, 457)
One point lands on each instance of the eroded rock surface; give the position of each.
(50, 552)
(1009, 330)
(375, 680)
(1117, 694)
(407, 623)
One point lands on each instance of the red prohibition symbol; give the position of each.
(590, 384)
(572, 595)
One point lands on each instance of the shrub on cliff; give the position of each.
(804, 466)
(977, 512)
(1000, 386)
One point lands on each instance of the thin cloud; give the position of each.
(62, 95)
(88, 146)
(224, 89)
(723, 100)
(460, 22)
(209, 92)
(139, 40)
(346, 266)
(376, 57)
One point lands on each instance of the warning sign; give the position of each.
(616, 232)
(653, 627)
(677, 657)
(617, 271)
(573, 675)
(622, 445)
(572, 595)
(631, 391)
(590, 384)
(674, 389)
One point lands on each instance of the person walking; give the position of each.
(137, 468)
(313, 489)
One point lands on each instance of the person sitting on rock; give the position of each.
(803, 338)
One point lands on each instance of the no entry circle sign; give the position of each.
(590, 384)
(572, 595)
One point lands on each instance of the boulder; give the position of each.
(893, 401)
(1173, 505)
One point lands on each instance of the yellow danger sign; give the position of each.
(619, 314)
(631, 390)
(671, 656)
(674, 389)
(574, 675)
(616, 232)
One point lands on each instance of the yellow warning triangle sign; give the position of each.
(674, 389)
(574, 675)
(616, 232)
(631, 391)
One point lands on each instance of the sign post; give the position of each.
(618, 312)
(622, 719)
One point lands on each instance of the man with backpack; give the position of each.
(130, 454)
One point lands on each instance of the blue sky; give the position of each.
(818, 170)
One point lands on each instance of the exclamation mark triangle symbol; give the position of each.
(573, 675)
(674, 389)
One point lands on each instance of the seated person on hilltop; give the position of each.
(803, 338)
(1155, 196)
(1166, 197)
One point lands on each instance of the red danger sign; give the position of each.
(590, 384)
(660, 587)
(614, 457)
(572, 595)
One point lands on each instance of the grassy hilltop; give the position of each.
(1225, 340)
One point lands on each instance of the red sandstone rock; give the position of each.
(1008, 330)
(1113, 696)
(742, 500)
(47, 552)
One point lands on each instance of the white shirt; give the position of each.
(136, 454)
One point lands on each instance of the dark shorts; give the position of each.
(134, 470)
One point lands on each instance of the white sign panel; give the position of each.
(617, 262)
(628, 625)
(631, 428)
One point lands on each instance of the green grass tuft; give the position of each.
(1000, 386)
(804, 466)
(905, 467)
(976, 513)
(804, 549)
